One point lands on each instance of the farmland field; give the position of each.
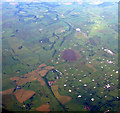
(60, 56)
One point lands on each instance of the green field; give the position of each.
(39, 33)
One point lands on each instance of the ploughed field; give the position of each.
(70, 55)
(59, 56)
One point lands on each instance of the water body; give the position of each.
(64, 38)
(20, 47)
(13, 50)
(54, 53)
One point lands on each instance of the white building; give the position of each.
(85, 85)
(78, 30)
(92, 99)
(70, 90)
(65, 85)
(79, 96)
(108, 86)
(109, 62)
(109, 51)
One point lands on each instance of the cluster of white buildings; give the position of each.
(108, 51)
(108, 86)
(59, 72)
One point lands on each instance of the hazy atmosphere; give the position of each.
(60, 56)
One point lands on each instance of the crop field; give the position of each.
(62, 99)
(59, 56)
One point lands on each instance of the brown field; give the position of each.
(90, 66)
(44, 107)
(62, 99)
(25, 80)
(28, 78)
(49, 68)
(42, 65)
(34, 75)
(14, 78)
(8, 91)
(70, 55)
(21, 81)
(79, 35)
(27, 75)
(38, 69)
(23, 95)
(43, 72)
(41, 81)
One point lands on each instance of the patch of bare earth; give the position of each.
(38, 78)
(42, 70)
(23, 95)
(44, 107)
(7, 92)
(14, 78)
(49, 68)
(34, 75)
(42, 65)
(21, 81)
(70, 55)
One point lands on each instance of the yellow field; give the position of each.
(62, 99)
(90, 66)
